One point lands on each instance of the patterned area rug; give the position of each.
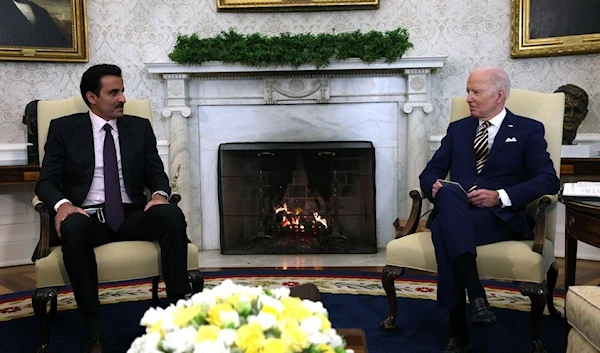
(501, 295)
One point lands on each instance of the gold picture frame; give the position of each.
(294, 5)
(552, 28)
(43, 30)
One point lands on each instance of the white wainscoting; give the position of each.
(19, 222)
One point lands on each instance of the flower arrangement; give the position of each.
(232, 318)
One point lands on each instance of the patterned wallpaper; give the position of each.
(130, 33)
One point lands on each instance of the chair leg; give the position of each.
(155, 298)
(552, 277)
(39, 301)
(196, 281)
(388, 276)
(537, 292)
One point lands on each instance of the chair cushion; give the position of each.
(576, 343)
(508, 260)
(117, 261)
(583, 313)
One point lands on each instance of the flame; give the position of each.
(293, 219)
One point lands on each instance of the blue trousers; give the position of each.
(457, 229)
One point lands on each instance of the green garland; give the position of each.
(291, 50)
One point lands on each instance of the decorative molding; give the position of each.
(304, 90)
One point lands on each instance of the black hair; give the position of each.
(91, 79)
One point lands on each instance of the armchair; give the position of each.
(531, 263)
(116, 261)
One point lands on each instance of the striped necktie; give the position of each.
(481, 146)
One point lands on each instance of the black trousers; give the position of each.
(81, 234)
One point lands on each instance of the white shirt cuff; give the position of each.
(59, 203)
(504, 198)
(161, 193)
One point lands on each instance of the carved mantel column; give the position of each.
(416, 106)
(177, 110)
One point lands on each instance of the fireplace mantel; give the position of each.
(189, 89)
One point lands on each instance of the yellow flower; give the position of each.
(207, 333)
(293, 308)
(275, 345)
(185, 315)
(157, 327)
(214, 314)
(293, 335)
(250, 338)
(325, 323)
(323, 348)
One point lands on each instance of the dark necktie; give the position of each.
(112, 188)
(480, 145)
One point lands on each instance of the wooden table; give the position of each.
(355, 339)
(19, 174)
(582, 223)
(579, 168)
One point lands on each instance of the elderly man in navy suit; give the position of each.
(500, 161)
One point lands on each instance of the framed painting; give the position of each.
(43, 30)
(554, 27)
(295, 5)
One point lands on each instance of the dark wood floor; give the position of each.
(22, 278)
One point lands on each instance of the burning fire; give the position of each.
(293, 218)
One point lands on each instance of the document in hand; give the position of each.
(582, 189)
(449, 182)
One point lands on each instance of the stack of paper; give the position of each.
(582, 189)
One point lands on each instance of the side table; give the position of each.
(355, 339)
(19, 174)
(582, 223)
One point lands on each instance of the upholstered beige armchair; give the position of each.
(116, 261)
(528, 262)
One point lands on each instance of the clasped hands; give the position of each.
(68, 208)
(479, 198)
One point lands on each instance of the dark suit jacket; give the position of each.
(16, 30)
(69, 160)
(523, 168)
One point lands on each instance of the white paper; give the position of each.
(582, 189)
(449, 182)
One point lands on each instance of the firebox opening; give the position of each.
(305, 197)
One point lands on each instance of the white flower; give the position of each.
(181, 341)
(265, 320)
(314, 307)
(227, 337)
(230, 317)
(210, 347)
(335, 340)
(311, 325)
(147, 343)
(281, 292)
(318, 338)
(152, 316)
(265, 300)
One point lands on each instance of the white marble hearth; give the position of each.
(348, 101)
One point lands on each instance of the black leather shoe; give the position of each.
(95, 345)
(457, 345)
(481, 313)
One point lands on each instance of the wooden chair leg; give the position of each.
(155, 298)
(538, 294)
(552, 277)
(388, 277)
(196, 281)
(39, 301)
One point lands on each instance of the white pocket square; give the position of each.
(511, 139)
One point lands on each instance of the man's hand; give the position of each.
(63, 212)
(156, 200)
(435, 188)
(483, 198)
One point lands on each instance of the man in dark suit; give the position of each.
(500, 160)
(26, 24)
(95, 169)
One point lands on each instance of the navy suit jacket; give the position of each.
(69, 160)
(518, 163)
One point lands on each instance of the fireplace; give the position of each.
(303, 197)
(215, 103)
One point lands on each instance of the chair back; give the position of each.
(547, 108)
(48, 110)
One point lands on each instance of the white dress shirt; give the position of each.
(495, 124)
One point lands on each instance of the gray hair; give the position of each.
(499, 78)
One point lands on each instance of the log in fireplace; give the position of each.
(304, 197)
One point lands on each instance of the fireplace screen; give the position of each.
(309, 197)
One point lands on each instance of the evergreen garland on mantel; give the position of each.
(291, 50)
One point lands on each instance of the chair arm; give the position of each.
(43, 246)
(541, 206)
(413, 219)
(175, 198)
